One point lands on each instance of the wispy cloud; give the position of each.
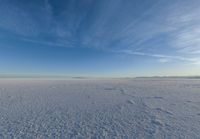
(185, 17)
(48, 43)
(16, 19)
(162, 58)
(145, 28)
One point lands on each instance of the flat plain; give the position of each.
(99, 108)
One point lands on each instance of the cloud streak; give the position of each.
(146, 28)
(162, 58)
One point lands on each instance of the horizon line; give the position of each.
(88, 77)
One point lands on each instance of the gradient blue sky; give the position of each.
(100, 37)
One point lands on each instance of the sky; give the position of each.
(100, 38)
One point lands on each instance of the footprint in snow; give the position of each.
(164, 111)
(130, 101)
(109, 89)
(120, 107)
(157, 122)
(122, 91)
(157, 97)
(88, 96)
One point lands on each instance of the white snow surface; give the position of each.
(94, 108)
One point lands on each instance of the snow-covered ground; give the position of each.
(109, 108)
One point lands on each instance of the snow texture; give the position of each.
(107, 109)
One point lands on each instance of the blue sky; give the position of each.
(117, 38)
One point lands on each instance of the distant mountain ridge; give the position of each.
(187, 77)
